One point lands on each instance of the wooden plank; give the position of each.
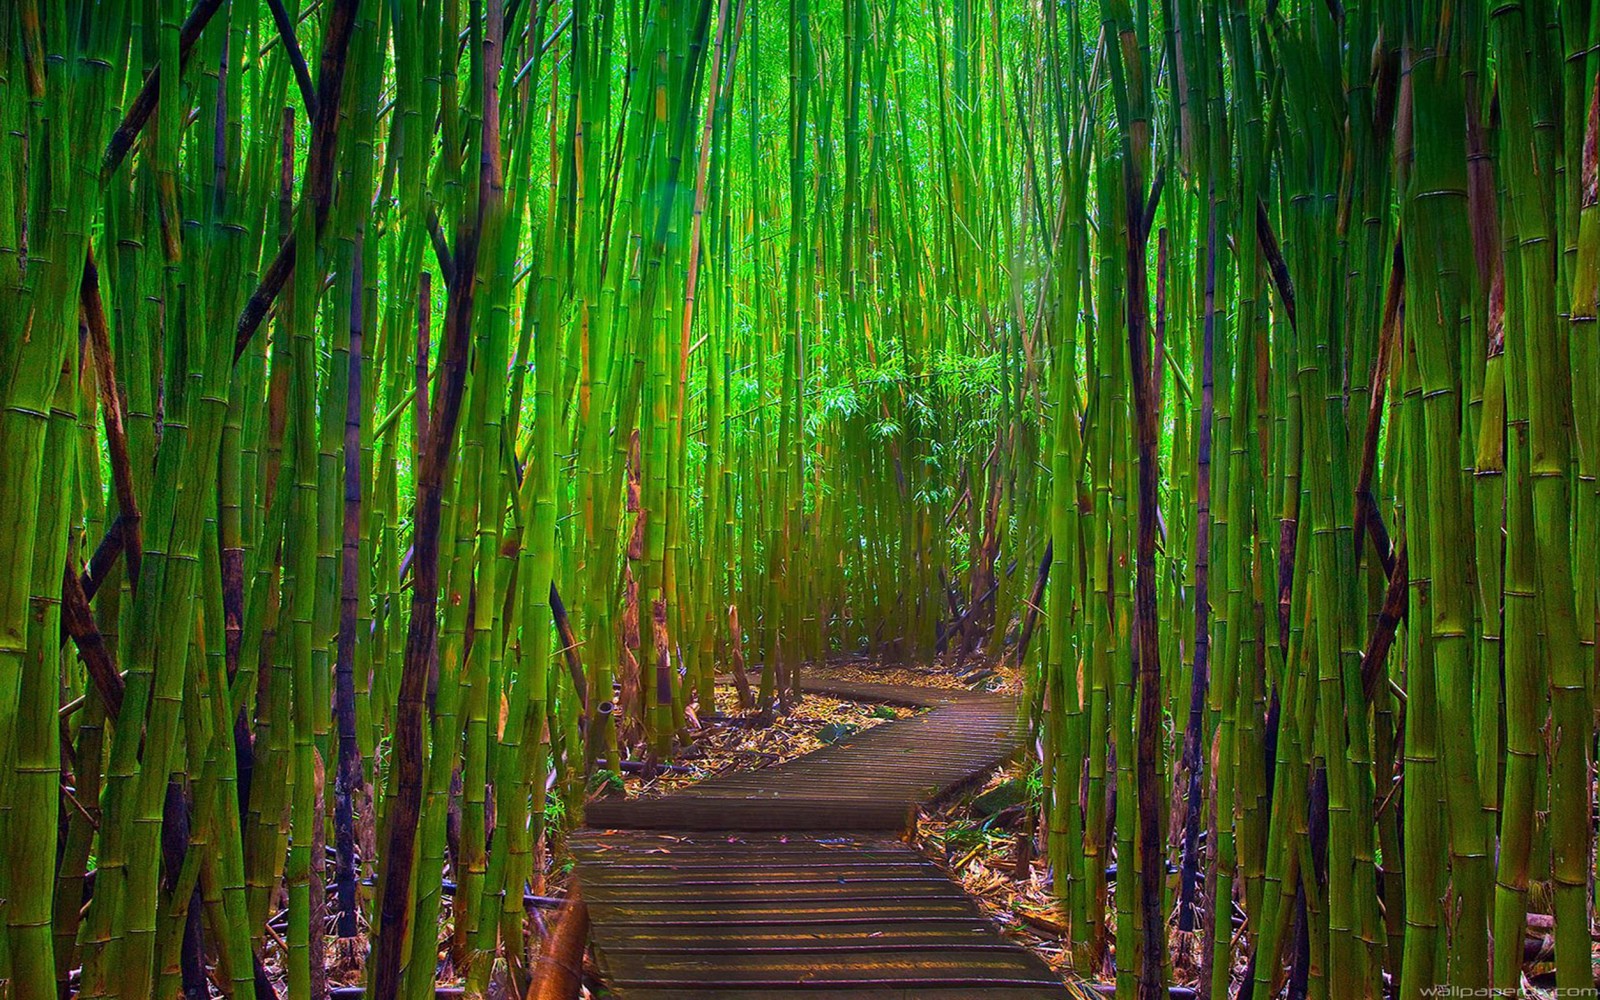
(776, 910)
(922, 992)
(790, 935)
(913, 964)
(775, 871)
(715, 812)
(888, 694)
(962, 969)
(928, 888)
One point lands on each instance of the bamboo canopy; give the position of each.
(409, 409)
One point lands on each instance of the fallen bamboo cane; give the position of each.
(558, 971)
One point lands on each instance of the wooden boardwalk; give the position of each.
(792, 880)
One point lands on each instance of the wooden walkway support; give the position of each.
(793, 881)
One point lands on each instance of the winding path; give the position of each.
(793, 880)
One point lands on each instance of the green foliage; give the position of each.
(834, 732)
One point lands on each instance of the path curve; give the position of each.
(793, 881)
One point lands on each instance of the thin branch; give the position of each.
(319, 169)
(297, 59)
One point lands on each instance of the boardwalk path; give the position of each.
(792, 880)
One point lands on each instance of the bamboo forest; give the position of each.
(738, 498)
